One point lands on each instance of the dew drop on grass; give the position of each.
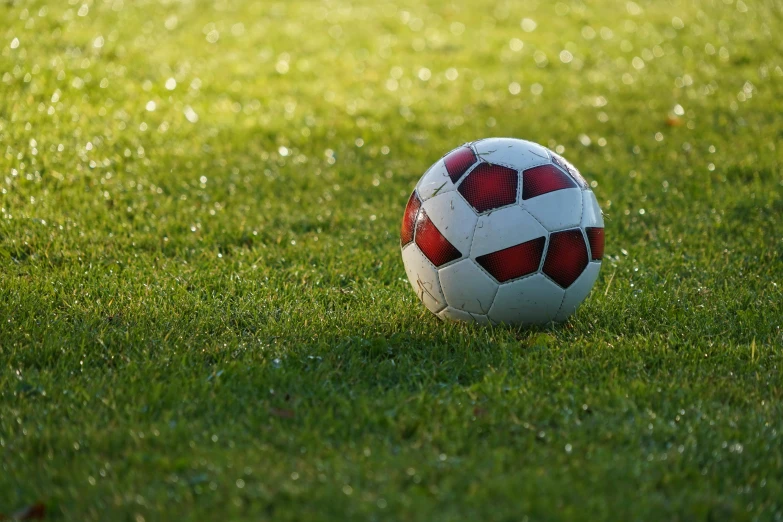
(190, 114)
(637, 63)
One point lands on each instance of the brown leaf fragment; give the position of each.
(35, 511)
(673, 121)
(282, 413)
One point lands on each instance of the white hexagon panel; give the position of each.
(512, 153)
(532, 300)
(452, 314)
(578, 291)
(591, 211)
(453, 218)
(423, 276)
(552, 197)
(502, 231)
(467, 288)
(435, 181)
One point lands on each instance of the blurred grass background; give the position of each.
(204, 311)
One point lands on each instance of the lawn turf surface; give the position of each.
(204, 314)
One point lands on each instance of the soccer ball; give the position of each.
(502, 231)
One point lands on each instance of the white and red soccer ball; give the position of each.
(503, 231)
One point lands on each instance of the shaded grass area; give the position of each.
(204, 312)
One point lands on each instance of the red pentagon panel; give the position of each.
(409, 219)
(515, 261)
(432, 243)
(544, 179)
(566, 257)
(561, 162)
(459, 161)
(595, 236)
(490, 186)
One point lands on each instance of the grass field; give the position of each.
(203, 309)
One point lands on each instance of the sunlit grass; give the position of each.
(204, 311)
